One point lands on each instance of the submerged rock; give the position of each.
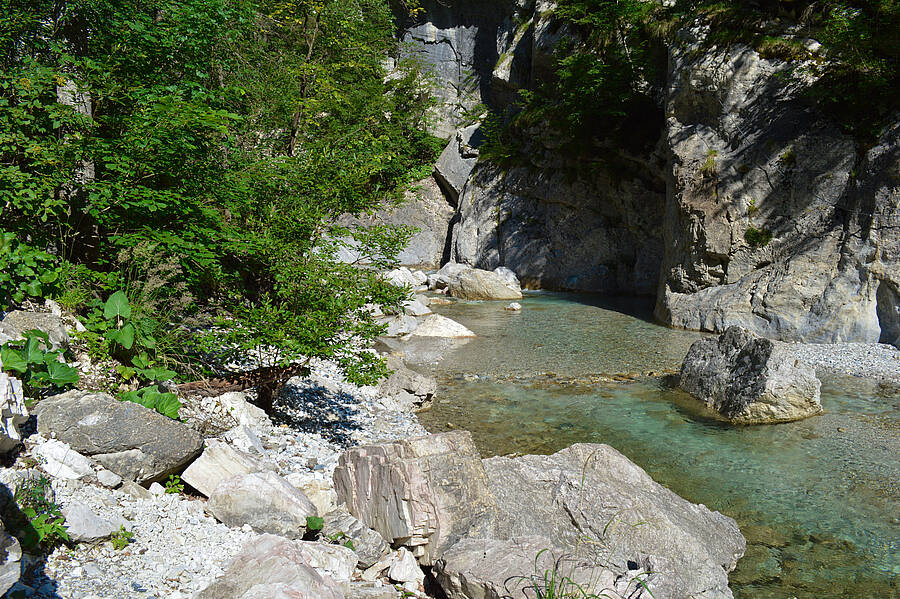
(750, 380)
(134, 442)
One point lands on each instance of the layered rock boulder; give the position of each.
(750, 380)
(423, 493)
(589, 503)
(477, 284)
(134, 442)
(13, 412)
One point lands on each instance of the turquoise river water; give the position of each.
(817, 500)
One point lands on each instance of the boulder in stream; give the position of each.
(750, 380)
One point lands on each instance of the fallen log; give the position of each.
(267, 381)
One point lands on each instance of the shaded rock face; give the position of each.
(465, 516)
(767, 227)
(10, 560)
(750, 380)
(13, 411)
(136, 443)
(590, 232)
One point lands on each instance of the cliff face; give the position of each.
(754, 209)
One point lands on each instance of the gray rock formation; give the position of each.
(219, 462)
(84, 526)
(265, 501)
(423, 493)
(436, 325)
(134, 442)
(456, 162)
(426, 209)
(404, 380)
(368, 545)
(587, 501)
(271, 566)
(519, 568)
(750, 380)
(590, 497)
(13, 412)
(776, 221)
(18, 322)
(596, 231)
(477, 284)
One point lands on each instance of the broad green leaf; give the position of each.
(123, 336)
(62, 374)
(117, 306)
(168, 405)
(13, 359)
(49, 276)
(33, 352)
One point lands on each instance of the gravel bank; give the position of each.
(868, 360)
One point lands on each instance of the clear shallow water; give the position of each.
(818, 500)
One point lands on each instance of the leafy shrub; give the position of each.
(121, 538)
(44, 525)
(757, 237)
(174, 486)
(24, 271)
(38, 367)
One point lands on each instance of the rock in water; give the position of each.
(477, 284)
(273, 567)
(263, 500)
(750, 380)
(134, 442)
(441, 326)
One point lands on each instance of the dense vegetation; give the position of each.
(193, 155)
(609, 78)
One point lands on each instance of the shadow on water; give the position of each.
(818, 500)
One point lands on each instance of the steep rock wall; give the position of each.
(776, 221)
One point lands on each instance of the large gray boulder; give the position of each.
(750, 380)
(219, 462)
(265, 501)
(18, 322)
(271, 567)
(477, 284)
(404, 381)
(590, 500)
(134, 442)
(424, 493)
(436, 325)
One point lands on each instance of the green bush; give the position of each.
(41, 524)
(24, 271)
(757, 237)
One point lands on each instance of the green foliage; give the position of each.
(24, 271)
(189, 158)
(708, 168)
(174, 486)
(37, 366)
(43, 525)
(757, 237)
(314, 523)
(121, 538)
(151, 397)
